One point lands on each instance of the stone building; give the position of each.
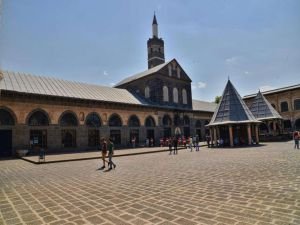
(286, 101)
(65, 116)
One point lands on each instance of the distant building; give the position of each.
(286, 101)
(61, 115)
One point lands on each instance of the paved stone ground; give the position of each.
(220, 186)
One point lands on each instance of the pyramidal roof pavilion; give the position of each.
(233, 121)
(232, 109)
(262, 109)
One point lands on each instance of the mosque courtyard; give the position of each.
(254, 185)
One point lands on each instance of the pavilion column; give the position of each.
(230, 136)
(211, 136)
(249, 133)
(256, 134)
(215, 137)
(274, 127)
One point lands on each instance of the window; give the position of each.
(134, 121)
(170, 69)
(184, 96)
(284, 106)
(38, 118)
(115, 121)
(93, 120)
(147, 92)
(178, 71)
(6, 118)
(68, 119)
(165, 94)
(167, 120)
(150, 122)
(175, 95)
(297, 104)
(186, 121)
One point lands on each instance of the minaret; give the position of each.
(156, 54)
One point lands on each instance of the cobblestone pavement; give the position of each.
(220, 186)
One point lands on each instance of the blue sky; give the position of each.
(255, 42)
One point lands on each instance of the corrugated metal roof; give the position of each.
(262, 109)
(26, 83)
(204, 106)
(142, 74)
(274, 91)
(232, 109)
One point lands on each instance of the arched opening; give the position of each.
(93, 122)
(134, 124)
(38, 120)
(167, 122)
(6, 122)
(150, 125)
(287, 125)
(198, 129)
(186, 126)
(297, 124)
(68, 134)
(177, 121)
(115, 133)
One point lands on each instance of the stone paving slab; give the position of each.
(239, 186)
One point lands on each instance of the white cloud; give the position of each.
(266, 88)
(105, 73)
(193, 87)
(112, 84)
(201, 85)
(232, 61)
(246, 72)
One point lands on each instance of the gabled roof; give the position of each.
(278, 90)
(27, 83)
(262, 109)
(146, 73)
(232, 109)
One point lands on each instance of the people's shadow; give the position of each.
(108, 170)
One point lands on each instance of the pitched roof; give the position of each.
(278, 90)
(204, 106)
(262, 109)
(27, 83)
(142, 74)
(232, 109)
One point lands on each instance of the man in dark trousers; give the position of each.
(175, 143)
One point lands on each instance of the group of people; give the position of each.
(296, 137)
(173, 142)
(107, 147)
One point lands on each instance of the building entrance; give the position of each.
(5, 143)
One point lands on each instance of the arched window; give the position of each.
(115, 121)
(93, 120)
(184, 96)
(186, 121)
(170, 69)
(284, 106)
(150, 122)
(297, 104)
(165, 94)
(38, 118)
(6, 119)
(178, 72)
(198, 124)
(175, 95)
(68, 120)
(147, 92)
(134, 121)
(177, 120)
(167, 120)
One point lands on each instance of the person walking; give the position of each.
(191, 143)
(110, 154)
(296, 139)
(103, 152)
(197, 143)
(170, 145)
(175, 144)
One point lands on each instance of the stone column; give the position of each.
(256, 133)
(249, 134)
(230, 136)
(274, 127)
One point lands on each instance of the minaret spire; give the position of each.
(154, 27)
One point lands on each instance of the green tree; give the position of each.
(217, 99)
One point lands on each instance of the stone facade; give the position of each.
(279, 99)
